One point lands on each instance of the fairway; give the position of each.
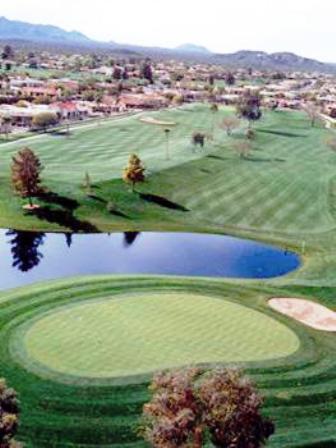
(144, 333)
(102, 148)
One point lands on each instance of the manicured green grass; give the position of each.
(77, 411)
(102, 148)
(148, 332)
(284, 193)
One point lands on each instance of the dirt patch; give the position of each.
(307, 312)
(150, 120)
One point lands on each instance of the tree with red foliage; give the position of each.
(26, 170)
(9, 411)
(189, 407)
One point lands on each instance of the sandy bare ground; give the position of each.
(150, 120)
(309, 313)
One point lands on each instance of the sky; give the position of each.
(305, 27)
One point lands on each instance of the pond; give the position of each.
(28, 257)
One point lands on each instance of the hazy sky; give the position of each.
(306, 27)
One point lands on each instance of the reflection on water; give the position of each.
(25, 249)
(27, 257)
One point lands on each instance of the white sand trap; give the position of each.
(309, 313)
(150, 120)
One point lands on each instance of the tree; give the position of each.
(242, 148)
(214, 110)
(26, 171)
(7, 52)
(167, 132)
(25, 249)
(44, 120)
(178, 100)
(198, 138)
(229, 124)
(189, 406)
(117, 73)
(6, 125)
(125, 75)
(173, 418)
(231, 410)
(147, 72)
(87, 184)
(9, 414)
(313, 113)
(134, 172)
(249, 107)
(230, 79)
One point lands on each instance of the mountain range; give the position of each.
(23, 32)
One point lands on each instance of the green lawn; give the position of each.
(146, 332)
(284, 193)
(63, 410)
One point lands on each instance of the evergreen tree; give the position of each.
(26, 171)
(25, 249)
(134, 172)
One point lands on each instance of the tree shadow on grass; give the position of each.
(53, 198)
(282, 133)
(114, 211)
(97, 198)
(162, 202)
(63, 215)
(64, 218)
(119, 213)
(213, 156)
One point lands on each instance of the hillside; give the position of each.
(13, 29)
(191, 48)
(275, 61)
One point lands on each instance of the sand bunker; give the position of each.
(309, 313)
(150, 120)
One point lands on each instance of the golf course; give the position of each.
(80, 351)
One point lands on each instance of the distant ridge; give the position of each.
(14, 29)
(191, 48)
(275, 61)
(25, 34)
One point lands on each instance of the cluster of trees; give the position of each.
(189, 406)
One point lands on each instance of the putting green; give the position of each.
(141, 333)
